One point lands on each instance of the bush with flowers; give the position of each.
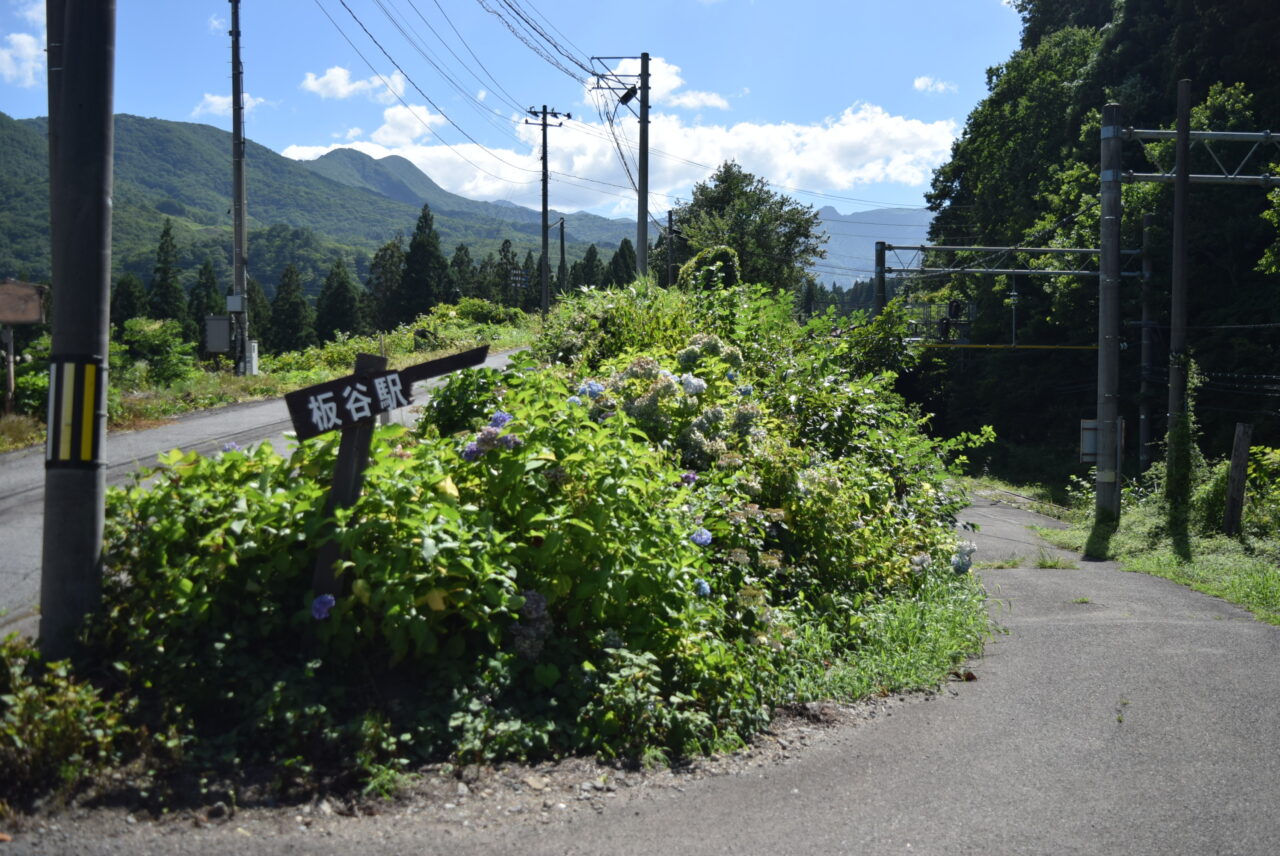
(638, 552)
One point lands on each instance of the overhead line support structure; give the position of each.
(1182, 179)
(543, 265)
(641, 89)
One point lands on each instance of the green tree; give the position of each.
(167, 298)
(293, 321)
(425, 270)
(776, 238)
(622, 267)
(588, 270)
(340, 307)
(259, 310)
(205, 299)
(462, 274)
(386, 275)
(128, 300)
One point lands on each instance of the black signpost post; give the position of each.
(349, 405)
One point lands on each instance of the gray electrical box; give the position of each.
(235, 302)
(217, 334)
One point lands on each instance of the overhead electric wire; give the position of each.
(509, 98)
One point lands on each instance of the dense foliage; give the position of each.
(637, 551)
(1025, 172)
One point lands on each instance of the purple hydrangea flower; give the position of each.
(471, 452)
(689, 477)
(701, 588)
(321, 605)
(509, 441)
(488, 438)
(500, 418)
(231, 446)
(701, 537)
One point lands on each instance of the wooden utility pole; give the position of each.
(81, 61)
(1239, 473)
(1145, 388)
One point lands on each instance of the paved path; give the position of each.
(1117, 714)
(22, 483)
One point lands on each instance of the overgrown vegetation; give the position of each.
(1244, 570)
(637, 550)
(155, 373)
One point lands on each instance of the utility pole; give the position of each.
(564, 271)
(878, 296)
(81, 62)
(1178, 306)
(239, 236)
(642, 188)
(543, 265)
(1148, 348)
(671, 247)
(1107, 479)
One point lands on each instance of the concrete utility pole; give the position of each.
(544, 265)
(240, 237)
(81, 61)
(1145, 392)
(1107, 479)
(1178, 305)
(878, 296)
(642, 186)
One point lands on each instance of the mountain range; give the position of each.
(342, 203)
(309, 212)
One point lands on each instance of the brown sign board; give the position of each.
(357, 398)
(21, 302)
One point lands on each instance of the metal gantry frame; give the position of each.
(1112, 176)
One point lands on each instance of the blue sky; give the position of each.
(849, 103)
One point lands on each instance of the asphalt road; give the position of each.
(22, 483)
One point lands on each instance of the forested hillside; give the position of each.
(1025, 172)
(304, 213)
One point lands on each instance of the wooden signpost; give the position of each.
(349, 405)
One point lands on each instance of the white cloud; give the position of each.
(482, 94)
(864, 145)
(216, 24)
(220, 105)
(664, 80)
(354, 133)
(403, 125)
(336, 82)
(932, 85)
(22, 60)
(695, 100)
(33, 11)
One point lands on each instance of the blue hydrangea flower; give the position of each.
(693, 385)
(746, 389)
(509, 441)
(701, 537)
(701, 588)
(500, 418)
(731, 375)
(231, 446)
(321, 605)
(591, 389)
(573, 399)
(471, 452)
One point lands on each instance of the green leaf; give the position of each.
(546, 674)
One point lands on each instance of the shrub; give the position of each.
(711, 268)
